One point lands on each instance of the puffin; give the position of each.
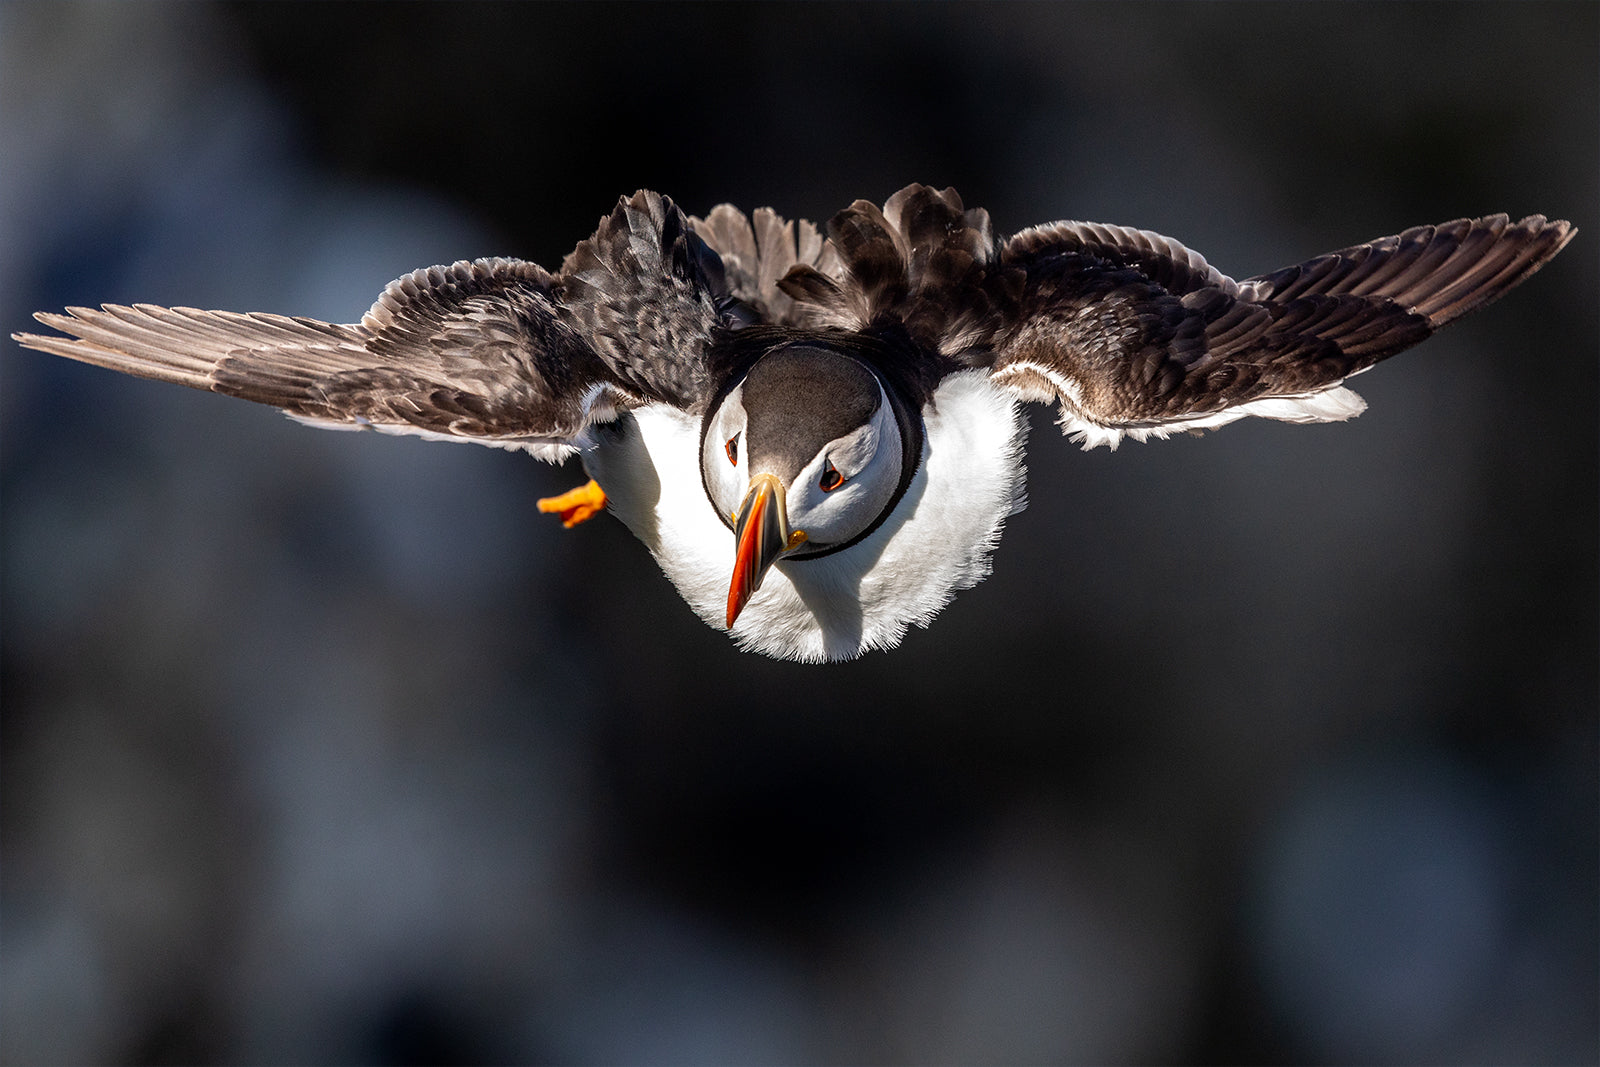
(818, 432)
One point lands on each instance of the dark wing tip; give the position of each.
(1493, 256)
(1440, 272)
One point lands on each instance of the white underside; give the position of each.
(936, 542)
(1332, 403)
(551, 451)
(598, 404)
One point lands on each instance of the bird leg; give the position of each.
(576, 505)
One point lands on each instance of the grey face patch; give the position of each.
(797, 399)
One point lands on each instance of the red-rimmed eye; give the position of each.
(830, 480)
(733, 450)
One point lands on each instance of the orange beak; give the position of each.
(761, 530)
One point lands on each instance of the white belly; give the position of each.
(935, 542)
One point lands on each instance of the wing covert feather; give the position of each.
(650, 296)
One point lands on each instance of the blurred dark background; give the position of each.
(1276, 745)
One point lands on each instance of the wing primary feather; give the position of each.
(1151, 336)
(471, 351)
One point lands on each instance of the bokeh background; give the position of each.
(1274, 745)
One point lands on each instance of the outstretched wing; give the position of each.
(472, 351)
(1136, 335)
(496, 351)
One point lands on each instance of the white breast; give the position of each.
(936, 542)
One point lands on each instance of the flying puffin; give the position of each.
(819, 437)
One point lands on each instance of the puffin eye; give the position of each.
(831, 479)
(733, 450)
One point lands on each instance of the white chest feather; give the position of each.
(936, 541)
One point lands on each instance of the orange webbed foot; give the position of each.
(577, 505)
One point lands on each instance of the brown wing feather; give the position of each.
(650, 296)
(923, 264)
(1440, 272)
(496, 350)
(758, 250)
(472, 350)
(1161, 259)
(1135, 334)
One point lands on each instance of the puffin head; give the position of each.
(803, 457)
